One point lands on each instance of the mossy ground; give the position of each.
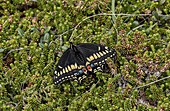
(32, 32)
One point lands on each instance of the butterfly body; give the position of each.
(78, 61)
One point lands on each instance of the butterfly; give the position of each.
(80, 60)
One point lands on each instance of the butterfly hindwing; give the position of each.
(97, 54)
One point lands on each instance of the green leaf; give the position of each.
(2, 50)
(41, 45)
(47, 29)
(162, 2)
(46, 37)
(20, 32)
(34, 29)
(64, 48)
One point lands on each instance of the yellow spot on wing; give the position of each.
(60, 67)
(95, 56)
(76, 65)
(98, 55)
(104, 52)
(55, 72)
(107, 51)
(58, 74)
(91, 58)
(88, 59)
(73, 67)
(99, 48)
(63, 71)
(66, 70)
(87, 63)
(69, 68)
(101, 53)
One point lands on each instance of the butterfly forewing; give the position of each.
(67, 67)
(88, 49)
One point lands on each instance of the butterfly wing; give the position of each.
(67, 67)
(97, 54)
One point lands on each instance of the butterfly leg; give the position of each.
(94, 76)
(80, 78)
(102, 68)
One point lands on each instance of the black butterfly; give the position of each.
(80, 60)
